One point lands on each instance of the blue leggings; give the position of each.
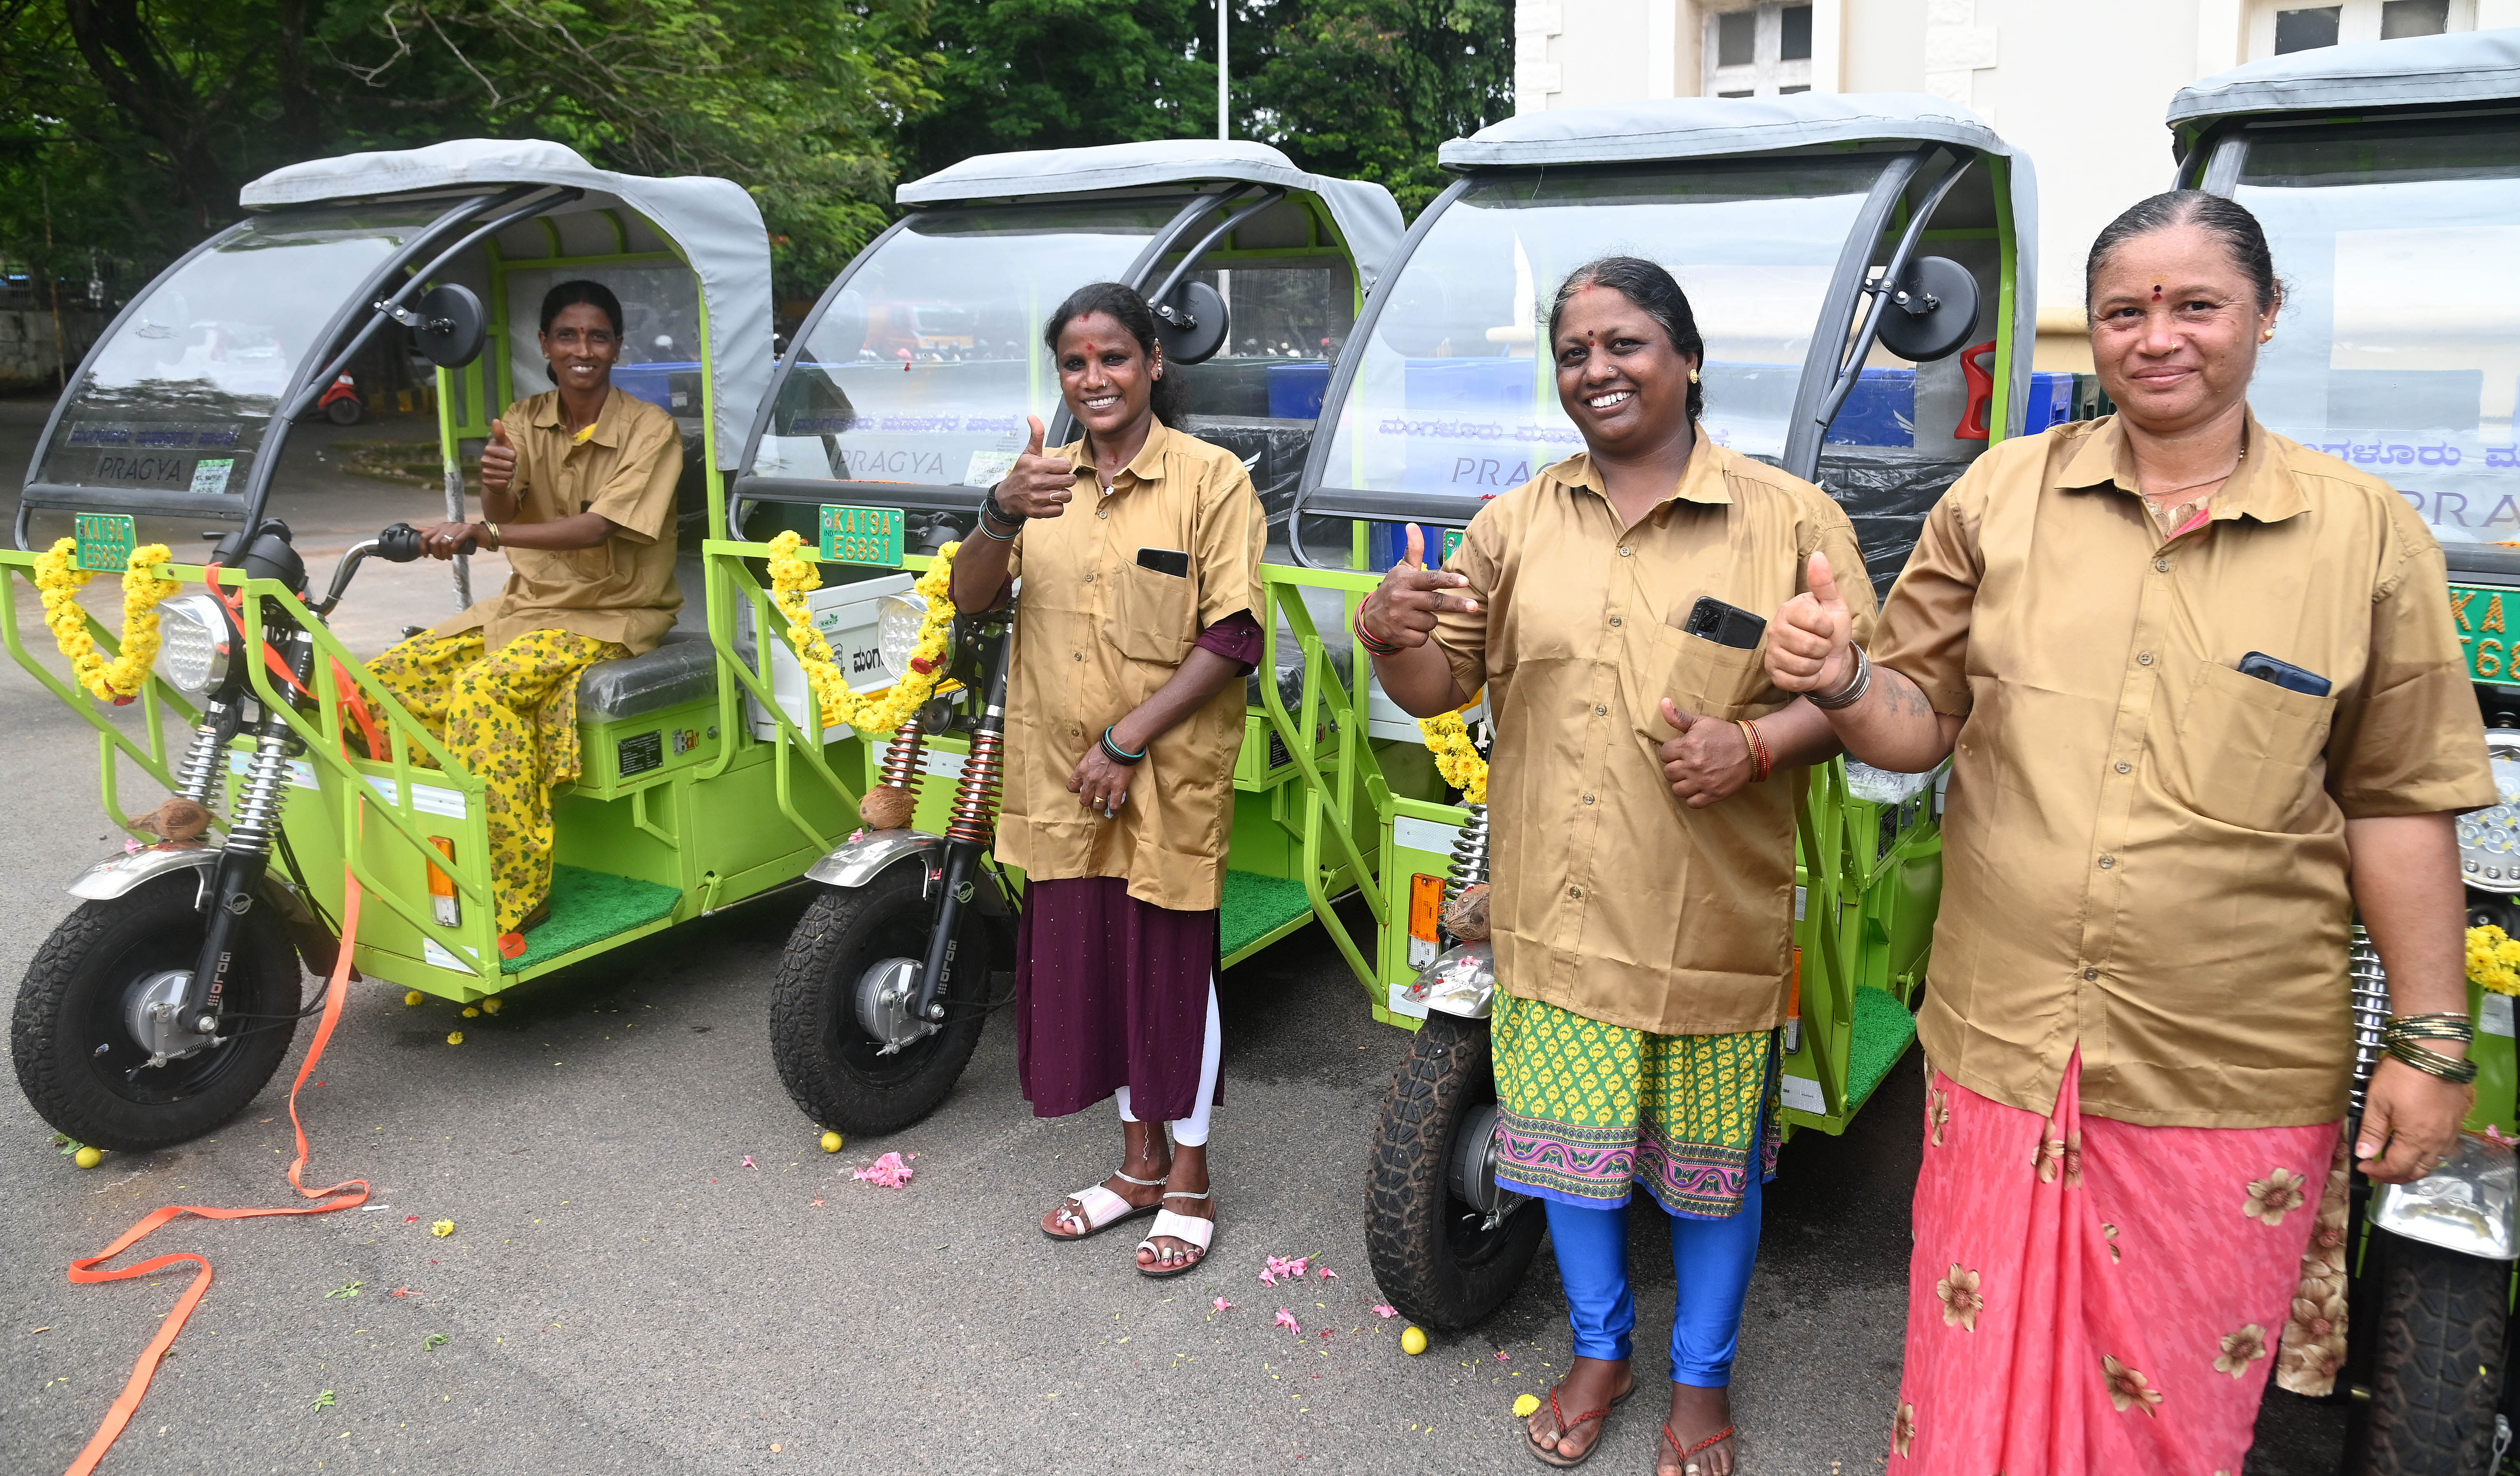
(1713, 1259)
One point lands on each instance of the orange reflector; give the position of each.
(1794, 991)
(1426, 905)
(441, 887)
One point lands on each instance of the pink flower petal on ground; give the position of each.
(1287, 1319)
(1504, 1356)
(1268, 1278)
(1328, 1275)
(1223, 1304)
(748, 1163)
(1383, 1310)
(888, 1172)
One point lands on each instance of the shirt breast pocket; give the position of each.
(2246, 751)
(1700, 677)
(1152, 615)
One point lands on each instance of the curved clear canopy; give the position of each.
(180, 398)
(1452, 395)
(2398, 348)
(924, 368)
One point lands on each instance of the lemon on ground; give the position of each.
(1526, 1407)
(471, 1013)
(413, 998)
(455, 1037)
(490, 1006)
(831, 1142)
(1412, 1341)
(88, 1158)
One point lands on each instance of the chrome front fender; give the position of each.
(2466, 1205)
(116, 876)
(864, 857)
(1460, 982)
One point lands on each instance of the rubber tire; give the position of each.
(1411, 1215)
(813, 1022)
(54, 1054)
(345, 411)
(2437, 1373)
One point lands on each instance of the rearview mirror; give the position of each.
(450, 325)
(1192, 323)
(1932, 310)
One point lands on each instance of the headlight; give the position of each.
(197, 643)
(897, 618)
(2488, 840)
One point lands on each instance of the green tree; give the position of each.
(1371, 88)
(1064, 74)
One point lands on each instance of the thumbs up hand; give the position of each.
(1402, 610)
(1038, 485)
(1809, 643)
(498, 460)
(1708, 762)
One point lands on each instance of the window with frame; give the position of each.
(1758, 51)
(2279, 28)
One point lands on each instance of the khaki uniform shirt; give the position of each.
(1613, 898)
(2144, 850)
(1096, 633)
(620, 590)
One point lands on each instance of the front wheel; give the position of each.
(345, 411)
(1446, 1245)
(77, 1038)
(844, 1049)
(2437, 1364)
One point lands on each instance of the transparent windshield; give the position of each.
(180, 398)
(2399, 347)
(1452, 395)
(923, 369)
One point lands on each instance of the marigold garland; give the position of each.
(1456, 759)
(2494, 959)
(791, 578)
(58, 579)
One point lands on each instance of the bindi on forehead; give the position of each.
(2156, 291)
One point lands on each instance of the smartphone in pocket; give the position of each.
(1174, 562)
(2283, 674)
(1723, 624)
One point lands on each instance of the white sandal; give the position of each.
(1101, 1209)
(1188, 1228)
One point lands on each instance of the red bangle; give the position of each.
(1762, 762)
(1373, 642)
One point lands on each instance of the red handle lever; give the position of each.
(1981, 392)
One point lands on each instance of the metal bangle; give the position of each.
(988, 530)
(992, 511)
(2432, 1062)
(1375, 645)
(1854, 690)
(2445, 1025)
(1118, 754)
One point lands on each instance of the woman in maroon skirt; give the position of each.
(1124, 714)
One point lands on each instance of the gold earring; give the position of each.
(2268, 336)
(1693, 377)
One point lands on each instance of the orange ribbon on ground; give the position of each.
(343, 1195)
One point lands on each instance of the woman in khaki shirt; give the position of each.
(2137, 1012)
(577, 485)
(1641, 806)
(1124, 714)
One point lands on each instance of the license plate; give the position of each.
(106, 541)
(2484, 617)
(863, 535)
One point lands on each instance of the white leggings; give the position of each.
(1192, 1131)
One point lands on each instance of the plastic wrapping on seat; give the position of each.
(682, 670)
(1886, 493)
(1272, 449)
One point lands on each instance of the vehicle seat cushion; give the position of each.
(684, 669)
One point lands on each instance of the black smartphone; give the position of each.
(1174, 562)
(2283, 674)
(1723, 624)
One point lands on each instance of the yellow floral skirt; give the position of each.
(511, 721)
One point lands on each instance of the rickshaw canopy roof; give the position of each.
(713, 222)
(1676, 128)
(2465, 67)
(1365, 212)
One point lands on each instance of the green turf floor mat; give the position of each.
(1883, 1027)
(1257, 906)
(587, 907)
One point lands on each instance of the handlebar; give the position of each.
(399, 544)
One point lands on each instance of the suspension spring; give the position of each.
(258, 810)
(904, 763)
(199, 780)
(975, 799)
(1469, 854)
(2369, 983)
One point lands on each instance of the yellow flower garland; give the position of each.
(2494, 959)
(59, 580)
(792, 577)
(1456, 759)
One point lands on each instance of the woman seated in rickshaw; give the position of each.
(577, 487)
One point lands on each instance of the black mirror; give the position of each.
(1932, 310)
(450, 325)
(1192, 323)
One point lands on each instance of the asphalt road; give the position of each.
(655, 1270)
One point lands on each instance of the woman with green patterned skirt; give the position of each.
(1641, 812)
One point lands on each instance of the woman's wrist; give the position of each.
(1373, 643)
(1120, 747)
